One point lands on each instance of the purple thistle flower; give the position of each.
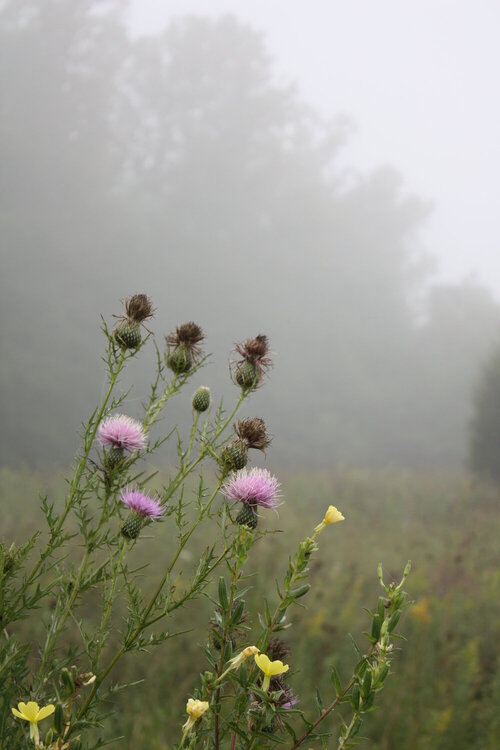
(140, 503)
(120, 431)
(254, 487)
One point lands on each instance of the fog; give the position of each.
(184, 164)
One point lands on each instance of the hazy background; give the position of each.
(323, 172)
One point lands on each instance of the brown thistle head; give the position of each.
(189, 335)
(277, 649)
(138, 308)
(253, 432)
(255, 351)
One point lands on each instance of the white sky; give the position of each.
(421, 80)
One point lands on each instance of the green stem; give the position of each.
(144, 622)
(89, 440)
(108, 603)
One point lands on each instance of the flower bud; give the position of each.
(234, 456)
(247, 517)
(179, 360)
(201, 399)
(128, 335)
(247, 376)
(132, 526)
(114, 456)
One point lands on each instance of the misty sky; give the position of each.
(420, 81)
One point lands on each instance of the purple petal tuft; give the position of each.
(254, 487)
(122, 431)
(141, 503)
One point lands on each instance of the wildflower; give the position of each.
(270, 668)
(138, 308)
(332, 515)
(143, 508)
(236, 661)
(120, 433)
(252, 488)
(195, 710)
(254, 362)
(182, 347)
(33, 713)
(251, 433)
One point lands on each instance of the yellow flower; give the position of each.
(195, 710)
(270, 668)
(332, 515)
(33, 713)
(241, 657)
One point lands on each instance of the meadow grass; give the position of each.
(445, 690)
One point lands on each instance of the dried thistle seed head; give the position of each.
(277, 649)
(138, 308)
(255, 350)
(254, 361)
(253, 432)
(190, 335)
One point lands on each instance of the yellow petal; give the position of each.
(29, 710)
(45, 711)
(263, 662)
(277, 667)
(19, 714)
(333, 515)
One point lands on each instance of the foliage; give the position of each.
(85, 560)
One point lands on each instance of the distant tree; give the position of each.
(179, 166)
(485, 424)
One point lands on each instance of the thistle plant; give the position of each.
(91, 607)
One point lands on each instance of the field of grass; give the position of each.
(444, 692)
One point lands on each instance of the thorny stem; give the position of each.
(89, 440)
(144, 622)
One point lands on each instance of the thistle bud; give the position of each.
(128, 335)
(132, 525)
(201, 399)
(234, 456)
(254, 362)
(114, 456)
(183, 350)
(179, 360)
(247, 517)
(247, 376)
